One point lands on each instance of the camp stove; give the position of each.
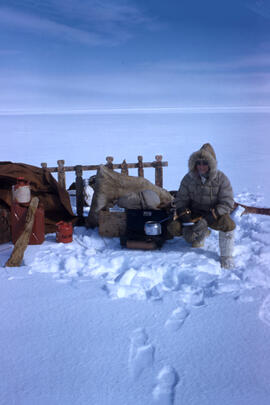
(145, 229)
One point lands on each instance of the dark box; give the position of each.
(137, 218)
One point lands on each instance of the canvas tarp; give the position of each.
(54, 198)
(111, 185)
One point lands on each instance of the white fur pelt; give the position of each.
(88, 193)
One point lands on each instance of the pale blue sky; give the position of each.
(70, 55)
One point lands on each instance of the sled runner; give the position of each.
(252, 210)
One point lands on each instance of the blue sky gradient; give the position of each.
(80, 55)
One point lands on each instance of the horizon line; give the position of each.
(135, 110)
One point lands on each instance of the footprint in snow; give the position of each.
(177, 319)
(141, 353)
(164, 391)
(191, 295)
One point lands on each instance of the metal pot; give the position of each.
(152, 228)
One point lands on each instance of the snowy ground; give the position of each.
(194, 273)
(92, 323)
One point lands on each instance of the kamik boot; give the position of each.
(226, 245)
(200, 243)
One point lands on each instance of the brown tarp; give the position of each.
(55, 199)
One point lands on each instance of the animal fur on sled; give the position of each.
(111, 185)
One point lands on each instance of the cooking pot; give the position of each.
(153, 228)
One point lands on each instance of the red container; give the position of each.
(18, 216)
(64, 232)
(21, 182)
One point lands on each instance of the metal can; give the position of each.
(18, 218)
(64, 232)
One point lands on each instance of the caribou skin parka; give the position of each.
(201, 195)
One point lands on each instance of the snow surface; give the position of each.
(68, 339)
(90, 322)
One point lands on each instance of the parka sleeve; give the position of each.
(182, 199)
(225, 196)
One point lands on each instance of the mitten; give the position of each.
(211, 216)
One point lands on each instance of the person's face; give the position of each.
(202, 166)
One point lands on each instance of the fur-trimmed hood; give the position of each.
(206, 152)
(200, 196)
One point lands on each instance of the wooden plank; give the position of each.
(54, 169)
(140, 166)
(110, 162)
(124, 168)
(113, 166)
(135, 165)
(158, 171)
(79, 191)
(61, 173)
(252, 210)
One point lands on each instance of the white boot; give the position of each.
(226, 245)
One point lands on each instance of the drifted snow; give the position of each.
(90, 322)
(195, 274)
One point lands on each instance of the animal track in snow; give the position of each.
(177, 318)
(164, 391)
(141, 353)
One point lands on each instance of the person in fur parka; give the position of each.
(206, 192)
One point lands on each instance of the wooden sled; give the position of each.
(252, 210)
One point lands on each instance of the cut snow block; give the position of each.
(112, 224)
